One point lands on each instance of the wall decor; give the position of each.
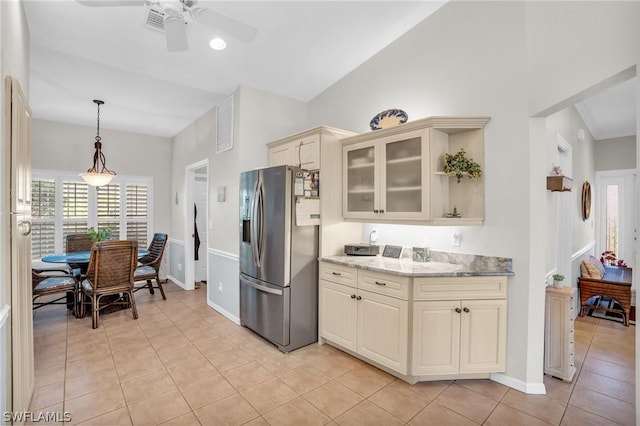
(586, 200)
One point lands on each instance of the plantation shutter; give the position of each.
(75, 207)
(136, 213)
(43, 210)
(108, 209)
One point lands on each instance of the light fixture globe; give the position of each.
(98, 174)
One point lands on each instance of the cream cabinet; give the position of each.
(387, 178)
(300, 150)
(559, 332)
(396, 175)
(461, 335)
(368, 323)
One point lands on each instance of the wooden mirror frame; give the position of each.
(586, 200)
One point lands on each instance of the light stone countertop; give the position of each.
(442, 265)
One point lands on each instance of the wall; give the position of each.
(67, 147)
(566, 124)
(259, 117)
(510, 61)
(615, 153)
(14, 61)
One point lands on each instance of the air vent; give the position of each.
(155, 18)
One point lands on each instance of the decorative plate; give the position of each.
(388, 118)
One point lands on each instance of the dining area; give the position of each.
(94, 277)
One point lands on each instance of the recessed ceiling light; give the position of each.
(217, 43)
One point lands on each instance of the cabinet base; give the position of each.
(412, 380)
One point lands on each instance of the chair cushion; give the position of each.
(54, 282)
(597, 264)
(143, 271)
(86, 286)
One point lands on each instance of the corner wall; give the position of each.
(259, 117)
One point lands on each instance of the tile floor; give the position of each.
(181, 363)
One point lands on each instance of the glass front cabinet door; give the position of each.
(388, 178)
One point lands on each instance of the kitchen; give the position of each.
(486, 76)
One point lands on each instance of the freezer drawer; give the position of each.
(265, 309)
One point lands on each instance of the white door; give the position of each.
(19, 117)
(193, 191)
(615, 205)
(436, 337)
(483, 336)
(337, 314)
(383, 324)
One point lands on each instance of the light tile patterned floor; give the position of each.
(182, 363)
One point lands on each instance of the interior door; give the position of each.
(19, 117)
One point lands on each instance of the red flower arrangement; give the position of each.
(609, 258)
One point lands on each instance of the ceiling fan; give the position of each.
(171, 16)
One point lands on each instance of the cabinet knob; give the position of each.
(336, 273)
(380, 283)
(353, 296)
(381, 210)
(458, 310)
(376, 211)
(359, 298)
(466, 309)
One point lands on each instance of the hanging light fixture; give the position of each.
(98, 175)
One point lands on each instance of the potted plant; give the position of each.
(100, 235)
(459, 164)
(557, 280)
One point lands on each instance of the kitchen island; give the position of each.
(438, 320)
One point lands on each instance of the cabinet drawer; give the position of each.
(338, 274)
(451, 288)
(390, 285)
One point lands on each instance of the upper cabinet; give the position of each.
(386, 178)
(301, 150)
(397, 174)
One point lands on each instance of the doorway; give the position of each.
(196, 224)
(616, 227)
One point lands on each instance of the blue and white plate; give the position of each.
(388, 118)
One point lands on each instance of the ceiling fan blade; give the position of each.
(107, 3)
(224, 24)
(176, 33)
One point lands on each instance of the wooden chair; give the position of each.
(149, 265)
(62, 284)
(110, 273)
(74, 243)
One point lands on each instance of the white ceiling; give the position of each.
(81, 53)
(612, 112)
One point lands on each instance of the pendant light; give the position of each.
(98, 175)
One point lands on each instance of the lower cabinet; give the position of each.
(458, 337)
(411, 326)
(370, 324)
(383, 329)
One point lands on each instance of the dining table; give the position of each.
(80, 256)
(81, 259)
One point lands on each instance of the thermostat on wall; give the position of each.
(392, 251)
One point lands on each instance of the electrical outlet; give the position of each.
(179, 266)
(455, 238)
(220, 286)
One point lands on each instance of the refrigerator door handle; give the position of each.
(260, 287)
(254, 226)
(260, 222)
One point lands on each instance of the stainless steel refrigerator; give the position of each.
(278, 259)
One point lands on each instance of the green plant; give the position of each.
(558, 277)
(100, 235)
(459, 164)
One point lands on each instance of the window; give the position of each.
(43, 211)
(612, 221)
(63, 204)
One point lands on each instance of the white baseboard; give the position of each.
(529, 388)
(176, 281)
(224, 312)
